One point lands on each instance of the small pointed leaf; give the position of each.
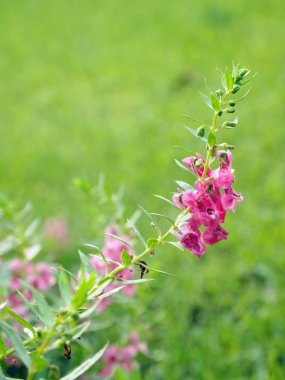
(77, 372)
(126, 258)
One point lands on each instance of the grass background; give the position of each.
(100, 86)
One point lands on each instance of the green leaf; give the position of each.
(45, 312)
(79, 330)
(30, 306)
(185, 149)
(108, 294)
(80, 295)
(17, 343)
(175, 244)
(86, 263)
(3, 305)
(152, 243)
(163, 217)
(39, 361)
(194, 133)
(101, 254)
(184, 185)
(138, 233)
(150, 218)
(188, 170)
(20, 320)
(195, 120)
(84, 366)
(64, 286)
(126, 258)
(164, 199)
(157, 270)
(229, 79)
(212, 139)
(139, 281)
(207, 100)
(2, 346)
(215, 102)
(119, 239)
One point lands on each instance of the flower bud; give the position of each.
(75, 316)
(230, 110)
(219, 92)
(201, 131)
(231, 124)
(236, 88)
(243, 72)
(232, 103)
(220, 113)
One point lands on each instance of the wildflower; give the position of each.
(38, 275)
(123, 356)
(112, 251)
(56, 229)
(208, 203)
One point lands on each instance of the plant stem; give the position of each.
(213, 131)
(12, 350)
(160, 241)
(43, 346)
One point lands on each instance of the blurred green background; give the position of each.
(100, 86)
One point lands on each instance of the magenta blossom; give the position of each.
(123, 356)
(112, 251)
(39, 275)
(56, 229)
(208, 203)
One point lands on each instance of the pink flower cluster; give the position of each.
(112, 251)
(208, 203)
(38, 275)
(56, 229)
(123, 356)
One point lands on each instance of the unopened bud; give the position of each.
(219, 92)
(75, 316)
(236, 88)
(201, 131)
(220, 113)
(232, 103)
(243, 72)
(231, 124)
(230, 110)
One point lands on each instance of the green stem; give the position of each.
(136, 259)
(213, 131)
(43, 346)
(12, 350)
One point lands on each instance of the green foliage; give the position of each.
(126, 258)
(85, 366)
(53, 132)
(17, 342)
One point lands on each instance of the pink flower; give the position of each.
(38, 275)
(212, 235)
(230, 199)
(190, 238)
(197, 164)
(208, 203)
(112, 251)
(56, 229)
(123, 356)
(111, 357)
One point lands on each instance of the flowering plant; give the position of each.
(56, 319)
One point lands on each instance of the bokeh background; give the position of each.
(91, 87)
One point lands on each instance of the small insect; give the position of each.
(67, 352)
(143, 268)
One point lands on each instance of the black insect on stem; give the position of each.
(143, 268)
(67, 351)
